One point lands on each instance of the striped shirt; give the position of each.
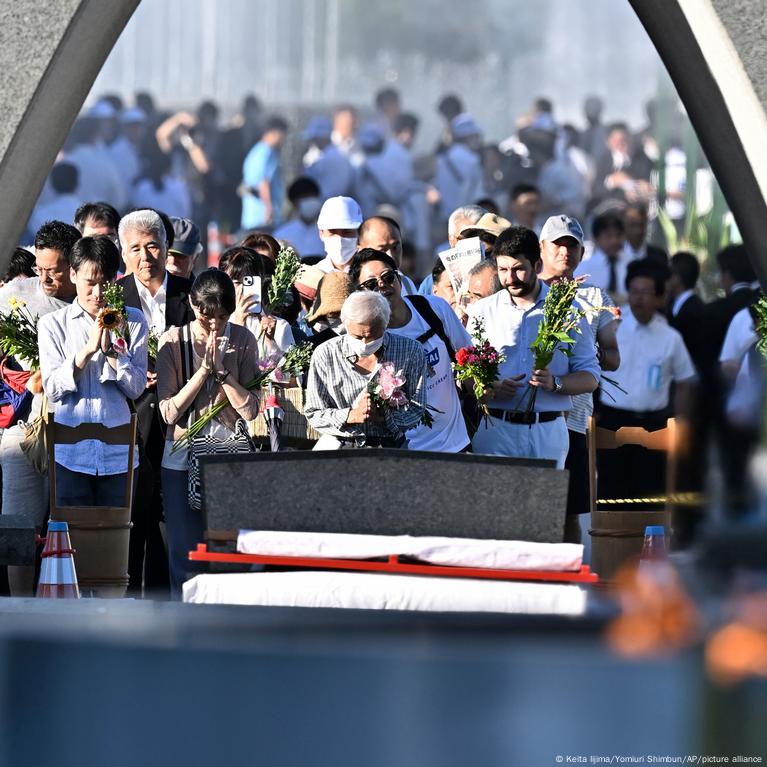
(97, 394)
(335, 385)
(589, 297)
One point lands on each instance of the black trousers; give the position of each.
(577, 463)
(631, 471)
(147, 557)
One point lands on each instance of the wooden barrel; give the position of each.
(617, 536)
(100, 537)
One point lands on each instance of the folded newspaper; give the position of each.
(459, 261)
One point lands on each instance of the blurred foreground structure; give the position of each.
(109, 683)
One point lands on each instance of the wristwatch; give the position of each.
(221, 376)
(557, 385)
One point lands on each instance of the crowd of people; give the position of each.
(257, 171)
(384, 329)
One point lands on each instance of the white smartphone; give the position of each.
(251, 286)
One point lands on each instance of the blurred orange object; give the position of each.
(739, 650)
(658, 616)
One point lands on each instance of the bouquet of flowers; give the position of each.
(295, 361)
(560, 319)
(18, 333)
(479, 363)
(759, 316)
(112, 316)
(286, 270)
(153, 343)
(385, 391)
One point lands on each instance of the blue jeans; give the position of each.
(74, 488)
(183, 527)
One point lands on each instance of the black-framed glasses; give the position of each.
(385, 279)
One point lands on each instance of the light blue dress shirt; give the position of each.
(100, 394)
(261, 163)
(511, 329)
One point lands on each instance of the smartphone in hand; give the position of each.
(251, 286)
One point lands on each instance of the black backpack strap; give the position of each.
(423, 307)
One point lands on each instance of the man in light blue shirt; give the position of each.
(511, 319)
(458, 175)
(90, 374)
(262, 188)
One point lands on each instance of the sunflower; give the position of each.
(109, 319)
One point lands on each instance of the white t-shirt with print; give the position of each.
(448, 432)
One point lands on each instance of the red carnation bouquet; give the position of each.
(479, 363)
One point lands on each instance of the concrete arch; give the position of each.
(50, 55)
(713, 49)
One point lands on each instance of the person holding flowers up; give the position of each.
(222, 358)
(366, 388)
(527, 404)
(561, 252)
(93, 360)
(24, 490)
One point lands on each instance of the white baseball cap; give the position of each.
(562, 226)
(340, 213)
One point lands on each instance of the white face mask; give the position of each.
(309, 208)
(362, 349)
(340, 250)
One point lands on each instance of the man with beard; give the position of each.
(24, 491)
(511, 319)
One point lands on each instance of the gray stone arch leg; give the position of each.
(50, 55)
(715, 52)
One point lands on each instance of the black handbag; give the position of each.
(239, 443)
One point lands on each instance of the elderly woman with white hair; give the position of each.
(341, 402)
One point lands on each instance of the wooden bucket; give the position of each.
(100, 537)
(295, 431)
(617, 536)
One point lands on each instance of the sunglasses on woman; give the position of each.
(385, 279)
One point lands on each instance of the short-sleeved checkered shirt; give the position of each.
(334, 385)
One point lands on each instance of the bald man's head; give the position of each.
(381, 233)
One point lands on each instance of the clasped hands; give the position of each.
(213, 360)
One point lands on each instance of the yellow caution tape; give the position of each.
(678, 499)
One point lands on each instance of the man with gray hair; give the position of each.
(162, 297)
(338, 400)
(459, 219)
(164, 300)
(483, 281)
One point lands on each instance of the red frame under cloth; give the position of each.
(393, 565)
